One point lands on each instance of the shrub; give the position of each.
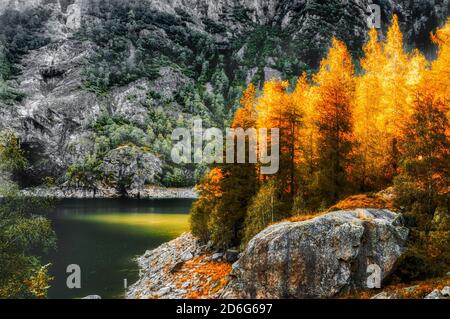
(265, 209)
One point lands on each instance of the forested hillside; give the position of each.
(90, 86)
(342, 134)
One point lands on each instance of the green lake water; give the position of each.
(103, 236)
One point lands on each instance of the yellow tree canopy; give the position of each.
(245, 117)
(440, 71)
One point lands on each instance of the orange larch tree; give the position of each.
(368, 116)
(306, 139)
(440, 71)
(394, 94)
(276, 109)
(335, 96)
(226, 192)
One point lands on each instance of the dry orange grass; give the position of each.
(418, 289)
(302, 218)
(209, 277)
(362, 201)
(421, 290)
(350, 203)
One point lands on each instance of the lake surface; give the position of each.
(103, 236)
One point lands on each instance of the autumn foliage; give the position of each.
(343, 132)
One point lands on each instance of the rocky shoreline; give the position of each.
(325, 257)
(179, 269)
(151, 192)
(319, 258)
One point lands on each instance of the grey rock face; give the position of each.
(53, 121)
(130, 167)
(18, 4)
(272, 74)
(319, 258)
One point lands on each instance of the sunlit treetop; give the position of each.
(271, 103)
(373, 60)
(245, 117)
(394, 40)
(338, 63)
(440, 73)
(210, 188)
(248, 97)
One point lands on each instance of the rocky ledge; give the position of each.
(152, 192)
(324, 257)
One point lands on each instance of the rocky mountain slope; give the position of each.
(82, 78)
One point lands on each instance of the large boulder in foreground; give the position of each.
(319, 258)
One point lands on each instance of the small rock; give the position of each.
(445, 291)
(385, 295)
(201, 249)
(231, 255)
(187, 256)
(92, 297)
(435, 294)
(270, 61)
(217, 257)
(185, 285)
(235, 269)
(209, 88)
(209, 244)
(271, 74)
(163, 291)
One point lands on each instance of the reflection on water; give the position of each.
(103, 236)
